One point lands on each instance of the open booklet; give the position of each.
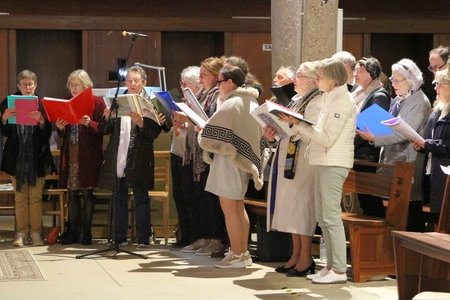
(135, 103)
(200, 121)
(372, 118)
(402, 127)
(23, 105)
(267, 115)
(71, 110)
(194, 104)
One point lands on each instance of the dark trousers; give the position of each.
(80, 216)
(141, 211)
(207, 217)
(183, 195)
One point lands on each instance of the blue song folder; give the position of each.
(372, 117)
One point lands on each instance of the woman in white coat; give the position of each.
(330, 152)
(291, 183)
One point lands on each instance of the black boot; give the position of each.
(72, 236)
(88, 209)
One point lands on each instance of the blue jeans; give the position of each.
(141, 211)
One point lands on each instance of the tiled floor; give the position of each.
(166, 274)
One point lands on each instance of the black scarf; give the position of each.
(290, 164)
(26, 165)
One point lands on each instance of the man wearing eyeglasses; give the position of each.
(438, 59)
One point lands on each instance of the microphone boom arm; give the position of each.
(161, 74)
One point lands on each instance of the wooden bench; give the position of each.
(423, 259)
(370, 240)
(371, 248)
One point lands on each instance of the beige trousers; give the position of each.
(28, 206)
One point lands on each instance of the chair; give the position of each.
(162, 187)
(160, 193)
(59, 206)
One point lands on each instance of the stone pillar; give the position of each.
(302, 30)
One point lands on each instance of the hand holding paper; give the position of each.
(402, 127)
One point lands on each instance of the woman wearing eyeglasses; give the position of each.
(234, 138)
(27, 159)
(413, 106)
(436, 145)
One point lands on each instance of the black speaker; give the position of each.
(272, 245)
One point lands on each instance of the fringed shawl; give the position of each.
(232, 131)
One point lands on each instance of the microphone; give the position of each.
(134, 34)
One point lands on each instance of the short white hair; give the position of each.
(407, 68)
(191, 74)
(346, 57)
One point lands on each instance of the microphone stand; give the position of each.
(112, 245)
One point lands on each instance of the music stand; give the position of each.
(112, 246)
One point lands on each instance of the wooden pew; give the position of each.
(423, 259)
(371, 248)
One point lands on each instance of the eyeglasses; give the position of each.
(134, 81)
(27, 84)
(439, 84)
(219, 81)
(396, 81)
(435, 68)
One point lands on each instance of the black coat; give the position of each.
(437, 135)
(43, 158)
(139, 170)
(363, 150)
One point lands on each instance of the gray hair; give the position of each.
(191, 74)
(346, 57)
(407, 68)
(139, 70)
(289, 71)
(26, 74)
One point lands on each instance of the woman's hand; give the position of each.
(85, 120)
(288, 119)
(418, 145)
(161, 118)
(61, 123)
(137, 119)
(9, 112)
(106, 113)
(269, 133)
(366, 135)
(180, 116)
(36, 115)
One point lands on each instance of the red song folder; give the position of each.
(71, 110)
(23, 105)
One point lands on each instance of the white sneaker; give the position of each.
(331, 277)
(19, 241)
(248, 259)
(319, 274)
(212, 246)
(232, 261)
(36, 239)
(195, 246)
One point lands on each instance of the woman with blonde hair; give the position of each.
(330, 153)
(291, 184)
(80, 161)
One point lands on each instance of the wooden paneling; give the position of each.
(182, 49)
(135, 23)
(249, 47)
(106, 47)
(3, 64)
(354, 43)
(52, 55)
(139, 8)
